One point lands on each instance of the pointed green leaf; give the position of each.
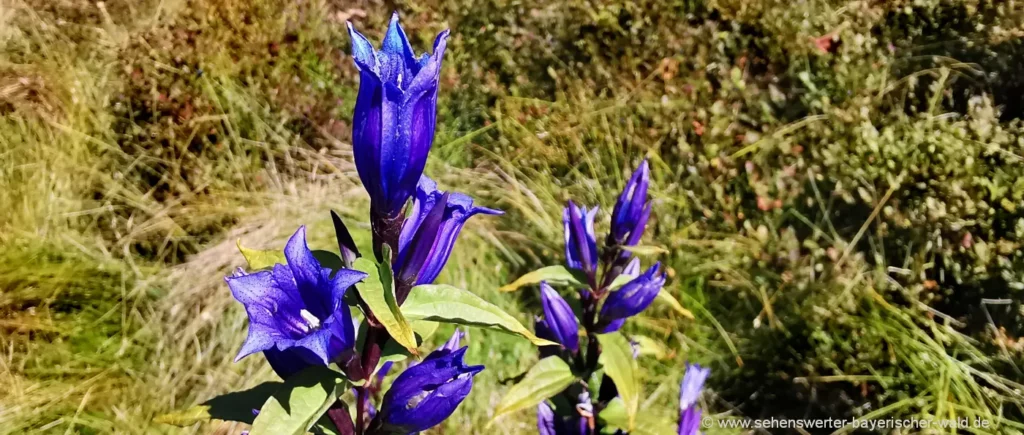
(614, 416)
(617, 360)
(666, 298)
(188, 417)
(444, 303)
(547, 378)
(554, 275)
(378, 291)
(644, 250)
(261, 259)
(620, 281)
(235, 406)
(649, 346)
(299, 403)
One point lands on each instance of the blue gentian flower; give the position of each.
(633, 297)
(631, 212)
(430, 230)
(393, 124)
(580, 241)
(559, 318)
(426, 394)
(296, 313)
(542, 330)
(689, 392)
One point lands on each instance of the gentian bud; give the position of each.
(633, 297)
(560, 318)
(429, 232)
(426, 394)
(542, 330)
(580, 241)
(632, 269)
(689, 392)
(631, 212)
(545, 420)
(393, 124)
(296, 313)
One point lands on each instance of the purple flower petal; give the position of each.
(297, 315)
(560, 318)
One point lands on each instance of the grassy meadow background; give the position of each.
(840, 186)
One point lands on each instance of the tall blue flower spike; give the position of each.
(395, 113)
(297, 315)
(426, 394)
(689, 392)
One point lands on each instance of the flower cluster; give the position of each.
(613, 290)
(605, 305)
(299, 310)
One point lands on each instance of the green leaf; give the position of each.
(554, 275)
(649, 346)
(378, 291)
(547, 378)
(299, 403)
(620, 281)
(188, 417)
(235, 406)
(444, 303)
(666, 298)
(617, 359)
(644, 250)
(261, 259)
(614, 416)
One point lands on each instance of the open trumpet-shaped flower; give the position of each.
(393, 124)
(580, 241)
(429, 232)
(559, 318)
(631, 212)
(296, 313)
(689, 392)
(633, 297)
(426, 394)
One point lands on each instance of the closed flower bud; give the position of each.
(633, 297)
(689, 392)
(560, 319)
(580, 241)
(395, 113)
(631, 212)
(426, 394)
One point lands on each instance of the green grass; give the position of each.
(834, 218)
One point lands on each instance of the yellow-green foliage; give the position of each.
(838, 183)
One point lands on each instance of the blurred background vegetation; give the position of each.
(839, 184)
